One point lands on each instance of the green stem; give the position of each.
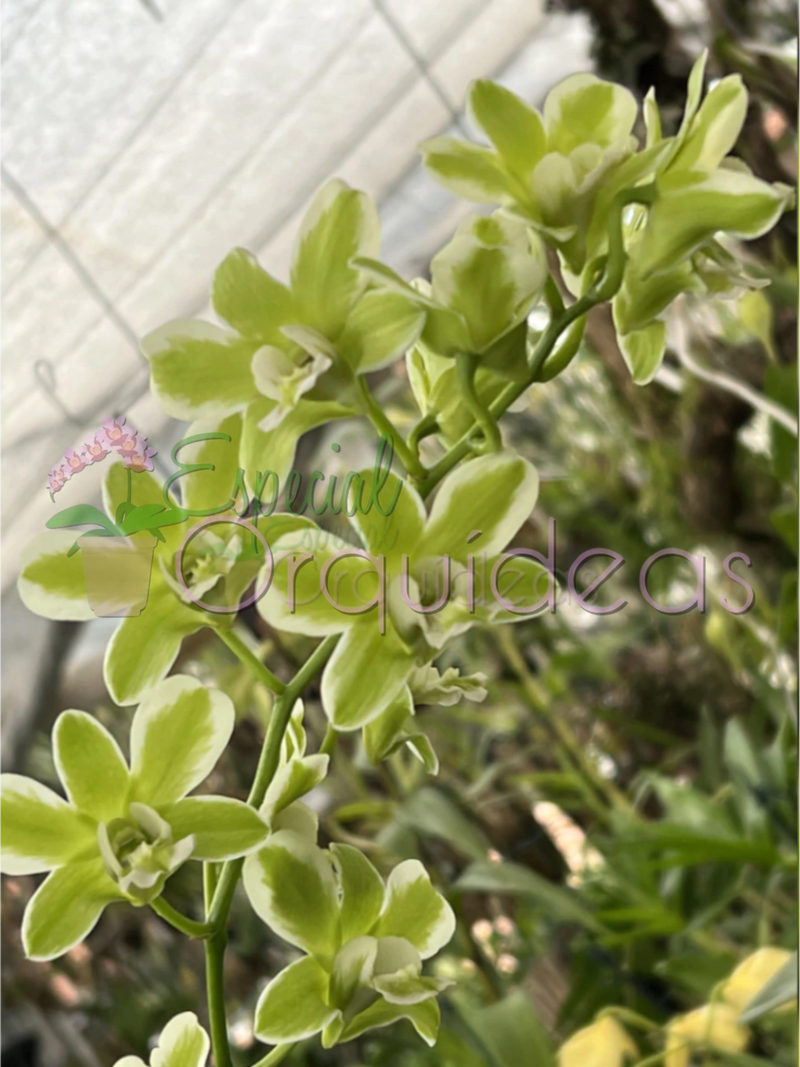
(186, 926)
(466, 365)
(215, 985)
(246, 655)
(267, 766)
(278, 1055)
(329, 741)
(130, 484)
(632, 1018)
(220, 896)
(382, 424)
(426, 426)
(657, 1058)
(571, 745)
(215, 992)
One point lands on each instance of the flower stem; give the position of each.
(383, 424)
(215, 992)
(599, 293)
(567, 739)
(329, 741)
(130, 485)
(246, 655)
(278, 1055)
(267, 766)
(466, 365)
(186, 926)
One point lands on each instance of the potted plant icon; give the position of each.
(117, 553)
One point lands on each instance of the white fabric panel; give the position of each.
(153, 147)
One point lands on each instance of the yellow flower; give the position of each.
(713, 1026)
(603, 1044)
(752, 975)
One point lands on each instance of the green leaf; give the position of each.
(291, 886)
(562, 904)
(182, 1043)
(178, 733)
(511, 1032)
(199, 371)
(66, 907)
(340, 223)
(583, 109)
(145, 646)
(430, 812)
(40, 830)
(81, 515)
(415, 911)
(468, 171)
(151, 517)
(51, 583)
(494, 493)
(362, 891)
(251, 300)
(90, 765)
(223, 828)
(424, 1017)
(381, 328)
(780, 989)
(293, 1006)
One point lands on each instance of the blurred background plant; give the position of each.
(616, 826)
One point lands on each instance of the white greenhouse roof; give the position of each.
(143, 140)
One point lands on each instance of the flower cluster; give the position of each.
(716, 1027)
(113, 436)
(579, 201)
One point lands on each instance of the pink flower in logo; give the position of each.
(140, 458)
(95, 448)
(117, 432)
(56, 479)
(73, 462)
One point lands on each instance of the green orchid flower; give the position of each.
(701, 192)
(365, 941)
(484, 283)
(396, 726)
(385, 639)
(218, 566)
(291, 355)
(297, 775)
(182, 1043)
(123, 830)
(547, 168)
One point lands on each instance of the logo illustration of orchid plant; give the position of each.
(113, 437)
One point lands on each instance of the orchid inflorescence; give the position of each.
(113, 436)
(636, 227)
